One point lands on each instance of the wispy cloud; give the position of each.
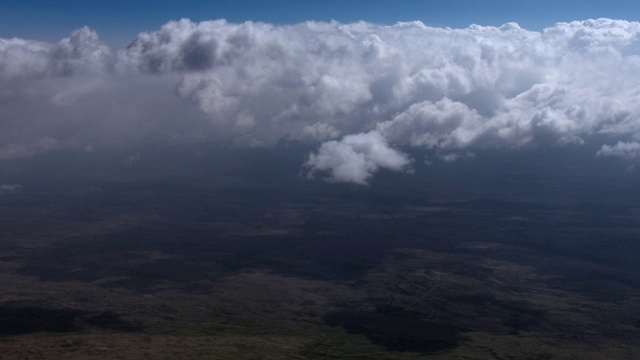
(9, 188)
(626, 150)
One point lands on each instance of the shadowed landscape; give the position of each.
(183, 255)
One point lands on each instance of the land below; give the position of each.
(175, 259)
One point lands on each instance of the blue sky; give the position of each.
(118, 21)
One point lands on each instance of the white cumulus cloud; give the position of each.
(355, 158)
(257, 84)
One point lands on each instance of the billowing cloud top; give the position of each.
(360, 90)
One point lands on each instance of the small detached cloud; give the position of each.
(133, 158)
(455, 156)
(9, 188)
(625, 150)
(355, 158)
(13, 151)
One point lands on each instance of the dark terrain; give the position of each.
(184, 255)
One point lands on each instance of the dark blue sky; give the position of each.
(118, 21)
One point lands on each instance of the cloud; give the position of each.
(455, 156)
(625, 150)
(80, 54)
(257, 84)
(355, 158)
(9, 188)
(12, 151)
(133, 158)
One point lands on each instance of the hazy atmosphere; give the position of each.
(404, 180)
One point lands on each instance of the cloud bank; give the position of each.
(358, 90)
